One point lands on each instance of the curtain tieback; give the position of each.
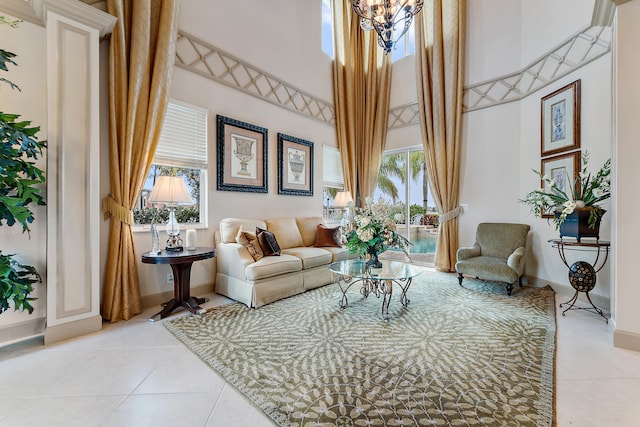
(450, 215)
(112, 208)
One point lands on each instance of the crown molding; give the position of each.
(35, 11)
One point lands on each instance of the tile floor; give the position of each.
(137, 374)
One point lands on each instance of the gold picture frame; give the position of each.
(564, 170)
(560, 120)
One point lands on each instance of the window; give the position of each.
(406, 45)
(327, 28)
(182, 150)
(332, 179)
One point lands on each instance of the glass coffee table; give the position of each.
(378, 282)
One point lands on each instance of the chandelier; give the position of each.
(390, 18)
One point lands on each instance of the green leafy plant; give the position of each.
(16, 284)
(587, 191)
(20, 187)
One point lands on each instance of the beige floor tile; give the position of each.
(233, 410)
(158, 410)
(61, 411)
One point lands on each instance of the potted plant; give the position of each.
(20, 186)
(577, 211)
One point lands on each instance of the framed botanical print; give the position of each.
(564, 170)
(560, 120)
(242, 156)
(295, 166)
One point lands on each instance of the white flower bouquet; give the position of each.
(588, 191)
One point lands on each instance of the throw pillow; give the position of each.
(249, 241)
(328, 236)
(268, 242)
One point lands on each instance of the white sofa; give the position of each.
(300, 267)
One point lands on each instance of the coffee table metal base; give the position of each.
(377, 287)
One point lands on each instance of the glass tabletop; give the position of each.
(391, 270)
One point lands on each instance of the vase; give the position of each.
(373, 261)
(577, 224)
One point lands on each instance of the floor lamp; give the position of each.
(172, 191)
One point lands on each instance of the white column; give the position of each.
(73, 168)
(625, 200)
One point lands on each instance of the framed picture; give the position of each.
(242, 156)
(295, 166)
(564, 171)
(561, 120)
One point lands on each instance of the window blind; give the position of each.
(332, 167)
(183, 140)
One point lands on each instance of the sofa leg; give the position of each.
(520, 281)
(460, 278)
(509, 288)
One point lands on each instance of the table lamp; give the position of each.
(172, 191)
(343, 200)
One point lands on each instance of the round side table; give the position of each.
(582, 275)
(180, 263)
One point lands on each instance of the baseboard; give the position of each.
(157, 299)
(566, 291)
(626, 340)
(22, 330)
(64, 331)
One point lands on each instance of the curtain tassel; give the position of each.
(450, 215)
(110, 207)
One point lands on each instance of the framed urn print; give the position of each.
(242, 156)
(563, 170)
(295, 166)
(561, 120)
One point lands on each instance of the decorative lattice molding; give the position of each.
(206, 60)
(578, 50)
(575, 52)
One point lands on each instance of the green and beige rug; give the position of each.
(456, 356)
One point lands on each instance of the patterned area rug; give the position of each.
(455, 356)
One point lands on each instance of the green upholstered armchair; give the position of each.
(497, 255)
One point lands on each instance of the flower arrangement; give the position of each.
(373, 230)
(588, 190)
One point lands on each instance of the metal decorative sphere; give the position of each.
(582, 276)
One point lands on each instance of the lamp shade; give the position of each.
(342, 200)
(170, 189)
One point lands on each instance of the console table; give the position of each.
(181, 266)
(582, 275)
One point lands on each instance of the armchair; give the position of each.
(498, 254)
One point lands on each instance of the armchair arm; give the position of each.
(233, 259)
(468, 252)
(516, 260)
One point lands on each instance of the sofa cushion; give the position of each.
(339, 254)
(311, 257)
(489, 268)
(308, 226)
(249, 240)
(286, 231)
(328, 236)
(273, 266)
(268, 242)
(229, 227)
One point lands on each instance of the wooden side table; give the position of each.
(582, 275)
(181, 266)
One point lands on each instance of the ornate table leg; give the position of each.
(582, 277)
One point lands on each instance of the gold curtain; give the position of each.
(361, 88)
(141, 64)
(440, 47)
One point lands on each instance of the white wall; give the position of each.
(501, 144)
(28, 42)
(288, 46)
(625, 200)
